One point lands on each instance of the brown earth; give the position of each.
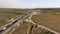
(48, 20)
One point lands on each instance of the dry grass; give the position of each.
(40, 31)
(5, 17)
(22, 29)
(7, 14)
(49, 20)
(25, 28)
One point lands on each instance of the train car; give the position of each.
(20, 17)
(11, 24)
(14, 22)
(2, 29)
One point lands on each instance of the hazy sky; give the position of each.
(29, 3)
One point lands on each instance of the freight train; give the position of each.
(10, 24)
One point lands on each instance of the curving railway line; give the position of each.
(10, 25)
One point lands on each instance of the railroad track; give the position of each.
(10, 25)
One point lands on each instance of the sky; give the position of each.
(29, 3)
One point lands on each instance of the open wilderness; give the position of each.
(47, 17)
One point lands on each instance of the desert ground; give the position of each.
(48, 18)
